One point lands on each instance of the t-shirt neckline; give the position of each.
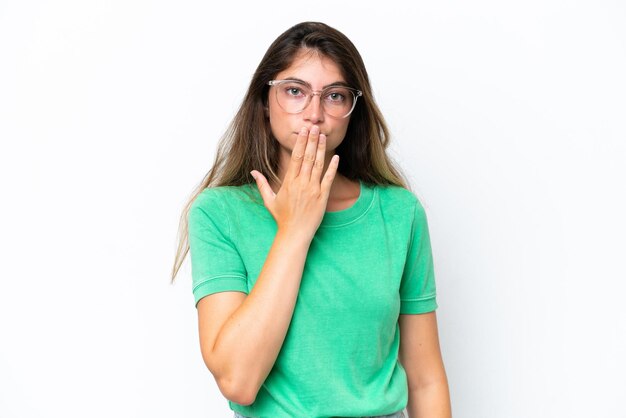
(340, 217)
(352, 213)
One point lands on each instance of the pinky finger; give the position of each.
(329, 176)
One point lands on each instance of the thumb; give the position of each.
(266, 191)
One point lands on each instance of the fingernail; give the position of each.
(253, 175)
(303, 130)
(315, 129)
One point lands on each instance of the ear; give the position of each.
(267, 111)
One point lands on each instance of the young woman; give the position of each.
(311, 262)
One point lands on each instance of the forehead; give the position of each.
(313, 67)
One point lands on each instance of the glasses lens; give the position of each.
(293, 97)
(338, 101)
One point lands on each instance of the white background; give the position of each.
(508, 118)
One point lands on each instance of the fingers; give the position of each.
(329, 176)
(310, 153)
(318, 166)
(262, 184)
(297, 154)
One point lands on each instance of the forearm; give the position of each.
(249, 341)
(430, 401)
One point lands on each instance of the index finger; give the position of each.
(297, 154)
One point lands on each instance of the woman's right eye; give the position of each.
(293, 91)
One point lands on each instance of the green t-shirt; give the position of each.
(366, 265)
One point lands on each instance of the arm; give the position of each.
(241, 354)
(420, 356)
(241, 336)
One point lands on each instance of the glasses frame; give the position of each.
(355, 92)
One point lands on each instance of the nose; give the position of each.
(314, 112)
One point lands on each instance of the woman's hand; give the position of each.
(300, 203)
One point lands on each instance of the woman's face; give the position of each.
(318, 71)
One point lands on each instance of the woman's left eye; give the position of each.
(335, 97)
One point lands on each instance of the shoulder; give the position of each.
(398, 202)
(221, 197)
(399, 197)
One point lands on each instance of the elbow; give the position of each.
(239, 393)
(236, 386)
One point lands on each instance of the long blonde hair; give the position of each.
(248, 144)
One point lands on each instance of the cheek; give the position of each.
(338, 135)
(274, 116)
(342, 129)
(281, 125)
(277, 115)
(279, 122)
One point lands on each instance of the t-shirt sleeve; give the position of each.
(417, 288)
(216, 265)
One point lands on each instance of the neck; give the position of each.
(338, 188)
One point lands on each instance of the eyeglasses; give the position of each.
(294, 96)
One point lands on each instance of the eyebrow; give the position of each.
(336, 83)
